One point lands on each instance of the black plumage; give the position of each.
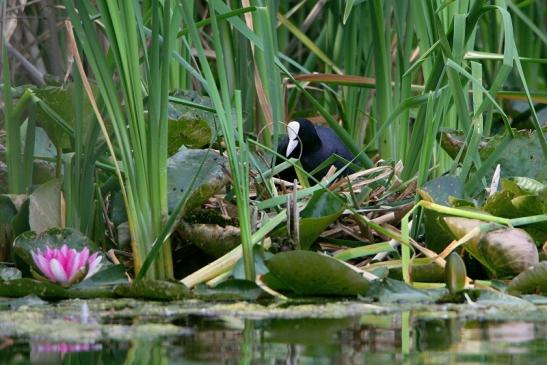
(314, 145)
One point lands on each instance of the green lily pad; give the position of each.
(455, 273)
(181, 169)
(55, 238)
(395, 291)
(504, 252)
(322, 210)
(533, 280)
(311, 273)
(440, 191)
(188, 126)
(152, 289)
(522, 156)
(44, 208)
(234, 289)
(512, 201)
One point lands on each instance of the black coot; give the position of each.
(313, 145)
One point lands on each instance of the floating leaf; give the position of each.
(311, 273)
(533, 280)
(321, 211)
(394, 291)
(54, 238)
(504, 252)
(512, 201)
(233, 289)
(455, 273)
(184, 165)
(439, 191)
(522, 156)
(152, 289)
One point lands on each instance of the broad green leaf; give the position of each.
(321, 211)
(184, 165)
(233, 289)
(522, 156)
(395, 291)
(55, 238)
(45, 209)
(311, 273)
(531, 281)
(153, 290)
(440, 191)
(504, 252)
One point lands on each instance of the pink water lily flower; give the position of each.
(62, 265)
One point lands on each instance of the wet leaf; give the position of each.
(311, 273)
(522, 156)
(321, 211)
(440, 191)
(188, 129)
(533, 280)
(504, 252)
(512, 201)
(233, 289)
(184, 165)
(44, 208)
(395, 291)
(55, 237)
(455, 273)
(152, 289)
(109, 275)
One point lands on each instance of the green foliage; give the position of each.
(310, 273)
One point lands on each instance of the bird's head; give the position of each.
(301, 131)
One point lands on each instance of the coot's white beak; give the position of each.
(292, 131)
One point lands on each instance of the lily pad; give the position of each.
(512, 201)
(153, 289)
(44, 209)
(311, 273)
(184, 165)
(321, 211)
(234, 289)
(55, 237)
(212, 239)
(504, 252)
(190, 126)
(531, 281)
(395, 291)
(522, 156)
(440, 191)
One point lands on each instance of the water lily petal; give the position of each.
(67, 260)
(84, 256)
(43, 265)
(58, 271)
(74, 266)
(94, 264)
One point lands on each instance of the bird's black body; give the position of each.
(315, 145)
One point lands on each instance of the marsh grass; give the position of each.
(386, 76)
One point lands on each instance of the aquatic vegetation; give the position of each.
(66, 265)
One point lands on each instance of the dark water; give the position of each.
(408, 337)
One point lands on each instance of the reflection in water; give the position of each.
(367, 339)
